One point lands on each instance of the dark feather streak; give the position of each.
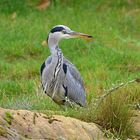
(66, 91)
(42, 67)
(65, 68)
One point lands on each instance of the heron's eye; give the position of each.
(63, 31)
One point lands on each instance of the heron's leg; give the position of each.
(68, 102)
(45, 88)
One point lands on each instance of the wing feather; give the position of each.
(74, 82)
(74, 72)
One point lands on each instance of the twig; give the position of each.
(109, 91)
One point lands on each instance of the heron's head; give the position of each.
(63, 32)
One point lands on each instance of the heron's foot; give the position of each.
(68, 103)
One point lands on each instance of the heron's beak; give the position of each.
(74, 34)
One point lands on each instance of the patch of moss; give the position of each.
(8, 117)
(3, 132)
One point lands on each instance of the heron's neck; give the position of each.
(57, 55)
(53, 45)
(57, 61)
(55, 50)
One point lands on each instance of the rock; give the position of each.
(23, 124)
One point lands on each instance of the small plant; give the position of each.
(3, 132)
(8, 117)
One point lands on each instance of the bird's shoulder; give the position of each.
(45, 64)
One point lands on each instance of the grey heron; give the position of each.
(59, 77)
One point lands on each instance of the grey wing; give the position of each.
(74, 84)
(74, 72)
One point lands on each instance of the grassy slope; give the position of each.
(114, 56)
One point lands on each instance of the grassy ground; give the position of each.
(114, 57)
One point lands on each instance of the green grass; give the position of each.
(112, 58)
